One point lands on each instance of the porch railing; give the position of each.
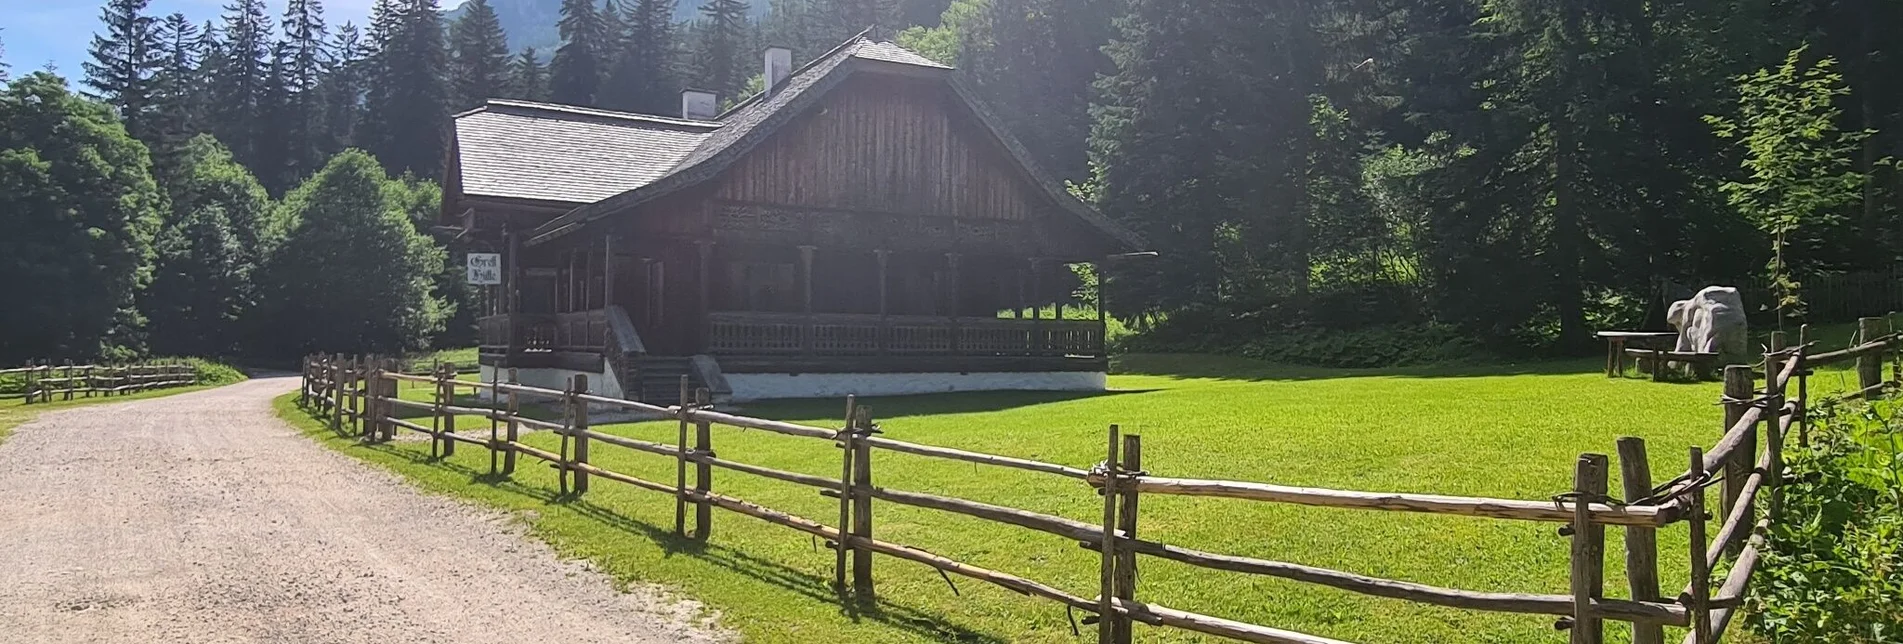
(582, 331)
(852, 334)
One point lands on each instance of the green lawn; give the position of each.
(1507, 431)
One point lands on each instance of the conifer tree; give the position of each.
(838, 20)
(576, 72)
(642, 77)
(123, 61)
(722, 56)
(3, 62)
(306, 59)
(380, 47)
(414, 69)
(239, 78)
(528, 78)
(479, 53)
(272, 142)
(342, 90)
(177, 87)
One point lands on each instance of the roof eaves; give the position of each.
(573, 110)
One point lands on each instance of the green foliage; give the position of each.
(212, 373)
(1797, 159)
(575, 73)
(354, 274)
(479, 56)
(221, 228)
(1833, 567)
(80, 211)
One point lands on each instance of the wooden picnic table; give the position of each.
(1616, 342)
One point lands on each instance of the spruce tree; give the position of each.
(414, 70)
(3, 62)
(342, 90)
(1034, 62)
(380, 47)
(642, 77)
(123, 61)
(177, 113)
(306, 59)
(239, 78)
(479, 53)
(576, 72)
(272, 143)
(528, 78)
(722, 56)
(838, 20)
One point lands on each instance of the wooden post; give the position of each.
(514, 429)
(1107, 571)
(1803, 387)
(1700, 601)
(861, 492)
(1641, 544)
(806, 279)
(607, 270)
(1589, 549)
(680, 462)
(1121, 628)
(445, 395)
(845, 445)
(69, 381)
(581, 439)
(703, 472)
(336, 381)
(884, 257)
(495, 425)
(1869, 365)
(1737, 399)
(1773, 438)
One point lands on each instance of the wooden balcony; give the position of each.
(836, 334)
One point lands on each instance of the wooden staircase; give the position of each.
(657, 379)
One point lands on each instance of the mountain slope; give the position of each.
(531, 23)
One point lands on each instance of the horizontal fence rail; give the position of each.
(40, 383)
(359, 396)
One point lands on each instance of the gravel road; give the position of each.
(200, 517)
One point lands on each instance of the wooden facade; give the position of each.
(883, 225)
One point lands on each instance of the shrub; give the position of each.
(1832, 570)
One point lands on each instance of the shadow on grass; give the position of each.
(923, 404)
(1186, 366)
(810, 586)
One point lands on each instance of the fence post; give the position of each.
(1107, 570)
(1870, 363)
(374, 403)
(1774, 436)
(1126, 578)
(1641, 544)
(495, 425)
(515, 407)
(581, 436)
(69, 381)
(1737, 400)
(845, 444)
(680, 460)
(862, 508)
(446, 378)
(704, 472)
(1698, 604)
(336, 380)
(28, 399)
(1803, 386)
(1589, 549)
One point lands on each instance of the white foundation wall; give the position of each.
(600, 383)
(766, 386)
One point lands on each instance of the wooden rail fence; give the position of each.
(358, 396)
(46, 382)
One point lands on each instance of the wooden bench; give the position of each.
(1703, 365)
(1617, 347)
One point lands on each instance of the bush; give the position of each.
(1833, 567)
(215, 373)
(1392, 345)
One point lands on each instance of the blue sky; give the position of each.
(37, 32)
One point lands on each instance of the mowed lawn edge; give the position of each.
(1501, 430)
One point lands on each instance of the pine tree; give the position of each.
(373, 130)
(528, 78)
(1034, 61)
(642, 77)
(794, 24)
(306, 60)
(479, 52)
(576, 72)
(3, 62)
(123, 61)
(177, 113)
(722, 57)
(219, 230)
(238, 80)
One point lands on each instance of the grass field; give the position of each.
(1506, 430)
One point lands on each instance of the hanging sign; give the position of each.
(485, 269)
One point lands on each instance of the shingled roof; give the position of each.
(644, 157)
(548, 152)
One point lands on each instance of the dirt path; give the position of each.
(202, 518)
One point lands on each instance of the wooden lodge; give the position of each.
(857, 228)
